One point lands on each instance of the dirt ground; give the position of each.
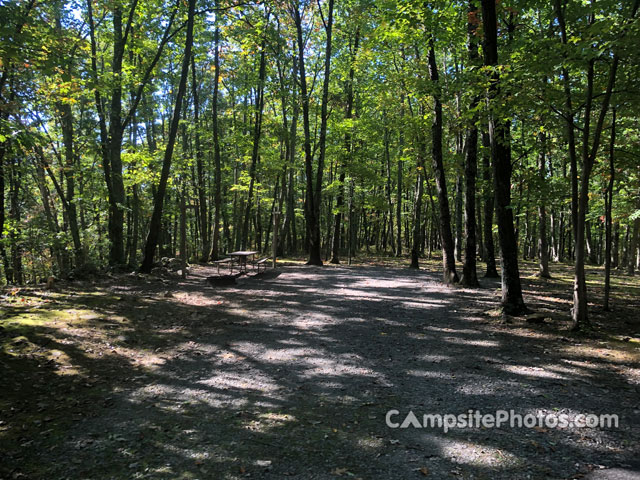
(290, 374)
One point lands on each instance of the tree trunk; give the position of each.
(469, 274)
(328, 26)
(499, 136)
(114, 151)
(200, 187)
(399, 189)
(337, 228)
(607, 214)
(569, 115)
(217, 188)
(543, 245)
(580, 309)
(632, 254)
(458, 210)
(489, 207)
(312, 220)
(15, 211)
(257, 130)
(615, 245)
(448, 259)
(156, 217)
(415, 247)
(66, 123)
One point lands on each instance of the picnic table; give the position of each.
(241, 258)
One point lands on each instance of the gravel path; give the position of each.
(291, 374)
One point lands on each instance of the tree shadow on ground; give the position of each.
(291, 375)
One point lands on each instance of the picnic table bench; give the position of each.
(223, 261)
(262, 263)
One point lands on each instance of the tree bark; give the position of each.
(580, 314)
(607, 214)
(489, 207)
(469, 274)
(200, 187)
(543, 244)
(324, 116)
(499, 136)
(632, 254)
(448, 259)
(312, 220)
(417, 218)
(217, 186)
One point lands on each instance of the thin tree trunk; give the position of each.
(469, 274)
(569, 115)
(15, 240)
(335, 251)
(66, 123)
(399, 189)
(156, 217)
(417, 211)
(448, 260)
(312, 221)
(200, 187)
(615, 245)
(580, 309)
(633, 246)
(257, 131)
(489, 207)
(499, 134)
(314, 245)
(543, 245)
(217, 187)
(388, 187)
(607, 214)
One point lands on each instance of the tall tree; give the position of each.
(257, 132)
(66, 121)
(156, 218)
(499, 136)
(449, 274)
(469, 275)
(608, 207)
(335, 250)
(590, 148)
(111, 135)
(489, 207)
(217, 161)
(543, 244)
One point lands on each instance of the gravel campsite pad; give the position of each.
(291, 373)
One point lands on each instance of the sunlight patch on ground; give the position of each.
(476, 454)
(537, 372)
(475, 343)
(235, 382)
(433, 358)
(428, 374)
(466, 331)
(610, 355)
(478, 388)
(572, 372)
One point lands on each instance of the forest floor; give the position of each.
(290, 374)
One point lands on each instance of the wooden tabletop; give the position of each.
(243, 253)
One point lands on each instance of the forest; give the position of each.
(446, 195)
(504, 130)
